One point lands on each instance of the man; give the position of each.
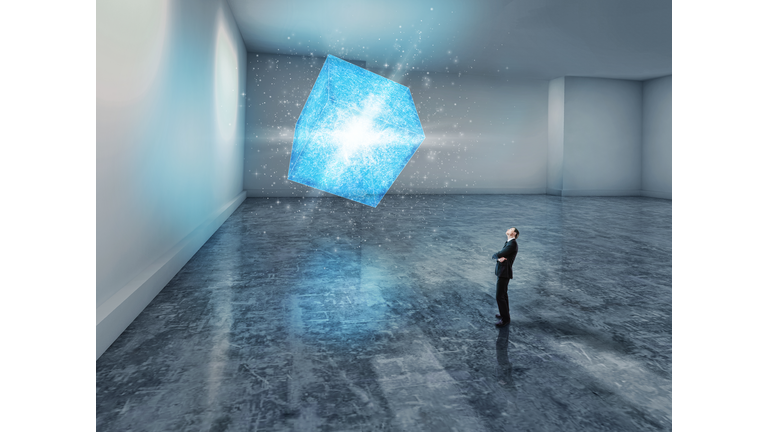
(504, 259)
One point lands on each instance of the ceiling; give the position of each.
(540, 39)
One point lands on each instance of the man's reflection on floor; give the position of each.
(504, 368)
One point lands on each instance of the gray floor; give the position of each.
(324, 314)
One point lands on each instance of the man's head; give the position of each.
(513, 233)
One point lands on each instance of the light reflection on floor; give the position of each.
(325, 314)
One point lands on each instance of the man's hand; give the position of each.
(502, 259)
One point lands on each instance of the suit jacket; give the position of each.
(509, 251)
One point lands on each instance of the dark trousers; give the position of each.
(501, 298)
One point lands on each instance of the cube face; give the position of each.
(355, 134)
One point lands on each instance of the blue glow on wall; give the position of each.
(355, 134)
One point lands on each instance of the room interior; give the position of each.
(231, 298)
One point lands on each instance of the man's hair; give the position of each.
(517, 233)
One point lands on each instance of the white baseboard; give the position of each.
(285, 193)
(656, 194)
(600, 192)
(556, 192)
(115, 314)
(469, 191)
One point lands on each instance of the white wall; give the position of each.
(483, 134)
(657, 138)
(602, 144)
(170, 123)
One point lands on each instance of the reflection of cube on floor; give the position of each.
(356, 133)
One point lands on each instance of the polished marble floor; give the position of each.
(324, 314)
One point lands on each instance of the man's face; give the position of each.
(511, 232)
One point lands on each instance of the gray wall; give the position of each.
(484, 135)
(169, 147)
(657, 138)
(556, 136)
(569, 136)
(277, 87)
(602, 148)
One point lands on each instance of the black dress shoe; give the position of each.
(501, 323)
(498, 315)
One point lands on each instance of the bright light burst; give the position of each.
(355, 134)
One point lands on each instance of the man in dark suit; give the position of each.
(504, 259)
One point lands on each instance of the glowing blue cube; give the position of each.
(355, 134)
